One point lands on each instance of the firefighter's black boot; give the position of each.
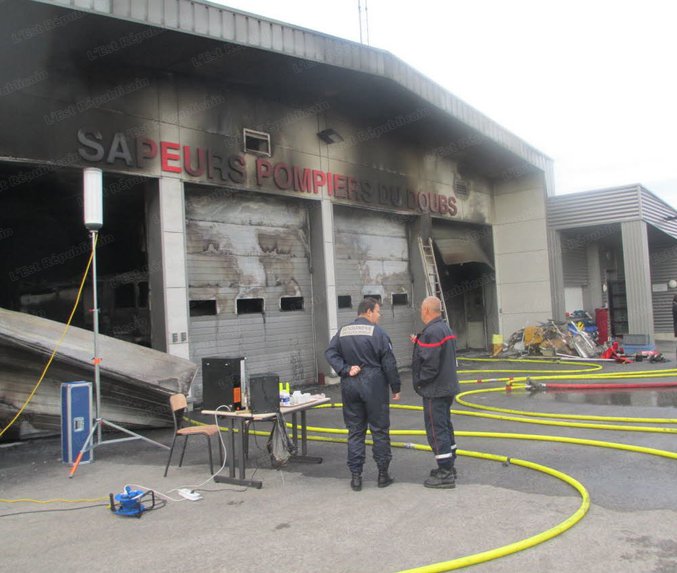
(384, 479)
(443, 479)
(433, 473)
(356, 482)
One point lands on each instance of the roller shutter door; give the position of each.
(663, 260)
(575, 266)
(251, 248)
(372, 257)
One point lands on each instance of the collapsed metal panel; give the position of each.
(372, 257)
(242, 246)
(461, 243)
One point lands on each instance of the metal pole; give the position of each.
(95, 311)
(359, 15)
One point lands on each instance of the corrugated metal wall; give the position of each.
(250, 246)
(372, 257)
(581, 209)
(662, 259)
(649, 266)
(663, 269)
(575, 265)
(658, 213)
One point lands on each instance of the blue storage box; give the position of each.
(76, 420)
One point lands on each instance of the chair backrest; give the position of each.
(178, 405)
(177, 401)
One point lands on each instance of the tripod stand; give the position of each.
(93, 222)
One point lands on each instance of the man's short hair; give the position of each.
(433, 304)
(366, 305)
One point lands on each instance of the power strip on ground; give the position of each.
(189, 494)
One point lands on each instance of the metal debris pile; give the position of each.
(568, 338)
(552, 338)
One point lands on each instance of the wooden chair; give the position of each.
(178, 404)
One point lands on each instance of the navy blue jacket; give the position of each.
(433, 365)
(366, 345)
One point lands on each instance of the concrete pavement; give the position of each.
(306, 518)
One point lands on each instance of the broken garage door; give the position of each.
(249, 282)
(372, 258)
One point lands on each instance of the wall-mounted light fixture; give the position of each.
(330, 136)
(672, 283)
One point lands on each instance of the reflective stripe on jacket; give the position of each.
(433, 364)
(366, 345)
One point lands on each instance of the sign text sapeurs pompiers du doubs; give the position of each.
(201, 162)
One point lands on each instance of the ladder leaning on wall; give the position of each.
(432, 278)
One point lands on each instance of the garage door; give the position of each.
(372, 258)
(249, 282)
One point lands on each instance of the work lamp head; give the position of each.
(93, 198)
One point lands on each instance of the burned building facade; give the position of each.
(259, 181)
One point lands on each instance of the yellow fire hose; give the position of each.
(520, 545)
(578, 373)
(460, 399)
(567, 420)
(529, 541)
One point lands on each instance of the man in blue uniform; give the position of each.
(436, 381)
(362, 355)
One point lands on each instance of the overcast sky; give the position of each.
(592, 84)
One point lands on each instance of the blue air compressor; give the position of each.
(130, 502)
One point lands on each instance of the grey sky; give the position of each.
(589, 83)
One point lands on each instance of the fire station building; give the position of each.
(259, 181)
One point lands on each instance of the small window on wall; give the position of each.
(124, 296)
(289, 303)
(249, 306)
(374, 296)
(400, 299)
(256, 142)
(345, 301)
(202, 308)
(143, 294)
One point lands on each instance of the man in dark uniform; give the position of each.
(436, 381)
(362, 355)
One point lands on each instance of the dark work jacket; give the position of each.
(366, 345)
(434, 362)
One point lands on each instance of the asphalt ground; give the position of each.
(306, 518)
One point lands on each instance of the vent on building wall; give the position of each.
(345, 301)
(256, 142)
(289, 303)
(202, 307)
(374, 296)
(400, 299)
(249, 306)
(461, 188)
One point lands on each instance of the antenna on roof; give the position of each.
(364, 20)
